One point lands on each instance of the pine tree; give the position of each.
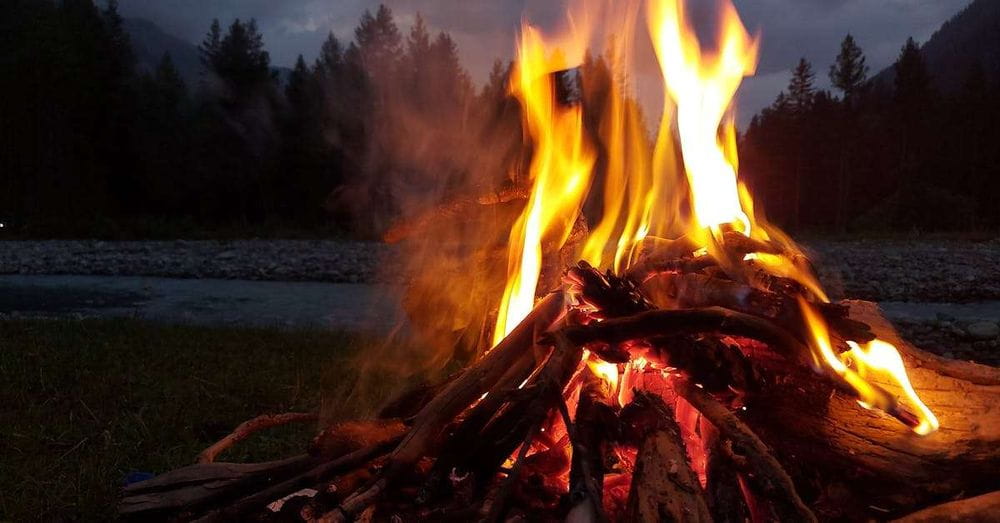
(379, 42)
(912, 83)
(209, 48)
(331, 56)
(800, 88)
(849, 72)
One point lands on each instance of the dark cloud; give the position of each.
(485, 29)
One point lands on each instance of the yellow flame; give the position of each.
(606, 371)
(560, 171)
(646, 195)
(702, 86)
(879, 360)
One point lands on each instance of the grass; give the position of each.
(84, 403)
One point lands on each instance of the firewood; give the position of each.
(817, 431)
(709, 361)
(979, 509)
(765, 473)
(722, 485)
(716, 320)
(591, 430)
(195, 486)
(347, 436)
(313, 476)
(457, 396)
(249, 427)
(664, 487)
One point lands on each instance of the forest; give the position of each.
(389, 119)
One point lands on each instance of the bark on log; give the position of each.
(861, 463)
(664, 488)
(980, 509)
(592, 427)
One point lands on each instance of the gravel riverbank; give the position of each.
(879, 270)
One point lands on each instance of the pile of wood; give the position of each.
(715, 414)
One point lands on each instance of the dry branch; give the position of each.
(590, 431)
(765, 472)
(249, 427)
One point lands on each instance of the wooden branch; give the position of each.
(766, 473)
(664, 487)
(195, 486)
(246, 505)
(979, 509)
(456, 397)
(248, 428)
(715, 320)
(725, 497)
(494, 510)
(347, 436)
(595, 419)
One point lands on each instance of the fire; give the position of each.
(645, 193)
(702, 86)
(879, 360)
(560, 172)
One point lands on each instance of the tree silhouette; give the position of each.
(849, 71)
(800, 88)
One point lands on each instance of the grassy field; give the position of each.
(85, 403)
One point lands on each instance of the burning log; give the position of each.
(812, 429)
(664, 488)
(591, 430)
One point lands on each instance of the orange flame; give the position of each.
(644, 192)
(560, 171)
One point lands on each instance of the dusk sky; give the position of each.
(485, 29)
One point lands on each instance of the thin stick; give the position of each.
(499, 502)
(249, 427)
(313, 476)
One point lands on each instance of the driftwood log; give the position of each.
(857, 462)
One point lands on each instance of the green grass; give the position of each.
(83, 403)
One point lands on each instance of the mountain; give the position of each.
(970, 37)
(150, 42)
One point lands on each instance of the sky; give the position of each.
(485, 29)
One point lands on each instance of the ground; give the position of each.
(87, 403)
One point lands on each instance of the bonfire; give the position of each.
(676, 361)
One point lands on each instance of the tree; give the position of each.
(849, 71)
(800, 88)
(912, 82)
(331, 56)
(379, 42)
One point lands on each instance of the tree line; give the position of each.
(382, 124)
(89, 145)
(877, 154)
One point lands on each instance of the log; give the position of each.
(591, 430)
(872, 467)
(979, 509)
(722, 486)
(664, 487)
